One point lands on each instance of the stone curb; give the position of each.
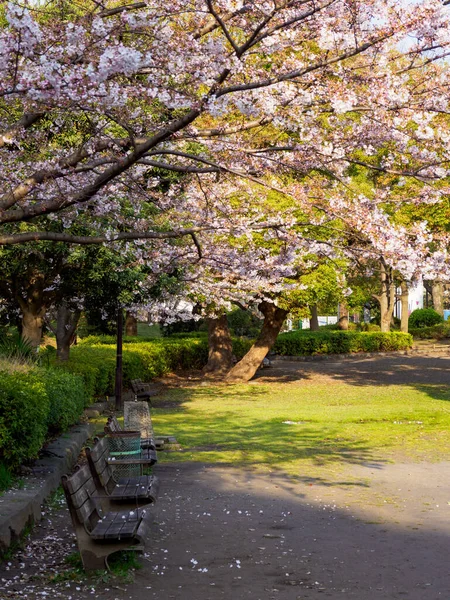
(21, 508)
(357, 355)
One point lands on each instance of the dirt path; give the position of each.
(381, 533)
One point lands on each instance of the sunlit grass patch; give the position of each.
(295, 428)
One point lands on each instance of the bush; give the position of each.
(244, 323)
(369, 327)
(24, 409)
(67, 397)
(96, 361)
(435, 332)
(35, 404)
(424, 317)
(339, 342)
(145, 360)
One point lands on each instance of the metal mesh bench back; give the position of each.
(125, 445)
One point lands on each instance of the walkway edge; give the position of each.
(20, 508)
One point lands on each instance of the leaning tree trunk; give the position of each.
(66, 325)
(220, 349)
(314, 321)
(437, 291)
(273, 320)
(405, 307)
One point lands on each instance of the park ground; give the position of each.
(349, 520)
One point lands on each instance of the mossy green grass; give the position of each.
(296, 428)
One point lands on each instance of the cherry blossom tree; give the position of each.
(101, 103)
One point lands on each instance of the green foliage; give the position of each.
(241, 346)
(95, 360)
(35, 403)
(435, 332)
(67, 396)
(24, 409)
(339, 342)
(369, 327)
(13, 347)
(243, 323)
(424, 317)
(6, 477)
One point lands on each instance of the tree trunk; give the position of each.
(273, 320)
(437, 290)
(386, 298)
(220, 350)
(32, 323)
(343, 316)
(405, 307)
(314, 322)
(66, 325)
(130, 325)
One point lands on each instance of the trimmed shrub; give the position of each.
(436, 332)
(369, 327)
(339, 342)
(424, 317)
(241, 346)
(67, 398)
(96, 362)
(35, 404)
(24, 409)
(141, 360)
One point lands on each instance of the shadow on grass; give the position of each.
(219, 437)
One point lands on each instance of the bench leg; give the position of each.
(93, 562)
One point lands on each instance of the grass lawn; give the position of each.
(295, 428)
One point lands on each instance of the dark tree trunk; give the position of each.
(314, 322)
(220, 350)
(405, 307)
(273, 320)
(131, 325)
(343, 316)
(437, 291)
(66, 325)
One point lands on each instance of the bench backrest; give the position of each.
(98, 457)
(80, 490)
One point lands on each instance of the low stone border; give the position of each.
(20, 508)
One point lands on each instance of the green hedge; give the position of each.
(95, 359)
(339, 342)
(35, 404)
(67, 396)
(436, 332)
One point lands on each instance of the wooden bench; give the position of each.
(100, 533)
(141, 390)
(147, 444)
(140, 490)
